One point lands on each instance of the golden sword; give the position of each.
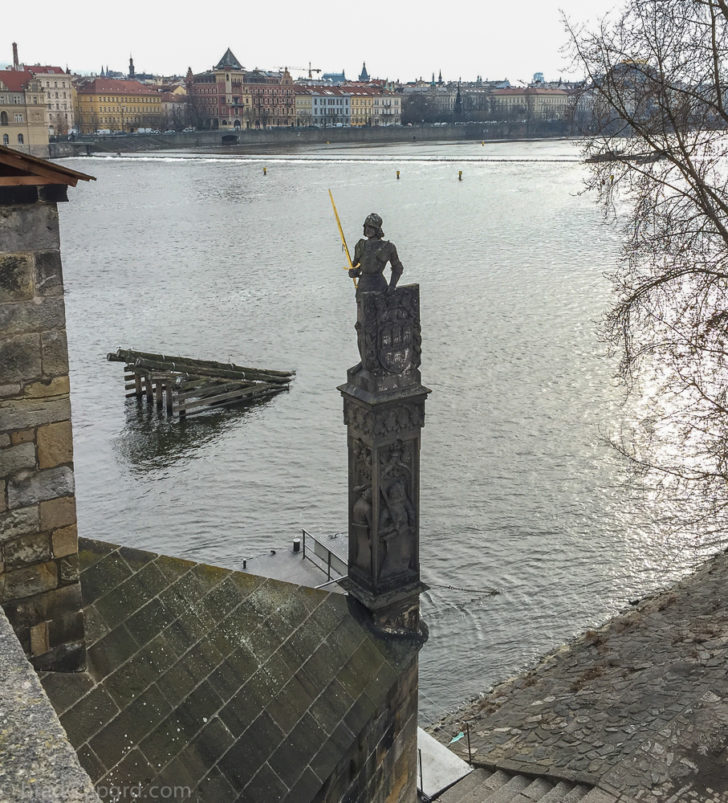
(343, 238)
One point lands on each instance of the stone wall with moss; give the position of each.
(39, 576)
(381, 766)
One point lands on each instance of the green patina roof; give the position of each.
(218, 680)
(228, 62)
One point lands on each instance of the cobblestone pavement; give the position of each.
(638, 708)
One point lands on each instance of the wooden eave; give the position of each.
(19, 169)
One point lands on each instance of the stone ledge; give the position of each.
(37, 761)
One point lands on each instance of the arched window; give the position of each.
(6, 139)
(3, 118)
(20, 139)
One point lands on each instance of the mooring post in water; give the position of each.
(384, 411)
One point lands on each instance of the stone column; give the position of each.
(39, 573)
(384, 410)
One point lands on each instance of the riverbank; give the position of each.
(637, 708)
(275, 138)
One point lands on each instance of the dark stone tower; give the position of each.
(384, 410)
(458, 103)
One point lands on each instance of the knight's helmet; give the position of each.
(375, 222)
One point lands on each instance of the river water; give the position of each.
(207, 255)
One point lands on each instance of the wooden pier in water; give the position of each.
(183, 386)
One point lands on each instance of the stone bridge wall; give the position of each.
(39, 575)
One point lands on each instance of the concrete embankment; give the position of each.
(637, 708)
(275, 138)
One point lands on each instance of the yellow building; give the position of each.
(362, 105)
(530, 102)
(304, 105)
(550, 104)
(108, 104)
(23, 113)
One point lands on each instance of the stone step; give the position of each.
(559, 793)
(464, 786)
(536, 790)
(506, 793)
(483, 786)
(577, 793)
(497, 779)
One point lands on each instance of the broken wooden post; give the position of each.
(191, 385)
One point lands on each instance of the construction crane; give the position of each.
(310, 70)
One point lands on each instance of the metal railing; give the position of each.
(322, 557)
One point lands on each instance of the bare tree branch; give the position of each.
(656, 79)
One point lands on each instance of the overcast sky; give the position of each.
(398, 40)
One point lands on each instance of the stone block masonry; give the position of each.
(212, 685)
(39, 579)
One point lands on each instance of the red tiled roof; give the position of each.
(114, 86)
(16, 80)
(38, 69)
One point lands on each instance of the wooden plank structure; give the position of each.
(21, 169)
(183, 386)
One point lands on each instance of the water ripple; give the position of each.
(204, 256)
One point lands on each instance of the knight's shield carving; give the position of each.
(396, 338)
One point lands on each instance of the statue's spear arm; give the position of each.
(341, 234)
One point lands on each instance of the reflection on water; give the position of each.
(198, 255)
(151, 440)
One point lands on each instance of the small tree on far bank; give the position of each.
(657, 92)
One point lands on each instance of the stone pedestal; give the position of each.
(384, 410)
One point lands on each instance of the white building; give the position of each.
(58, 91)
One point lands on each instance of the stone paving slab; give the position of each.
(638, 707)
